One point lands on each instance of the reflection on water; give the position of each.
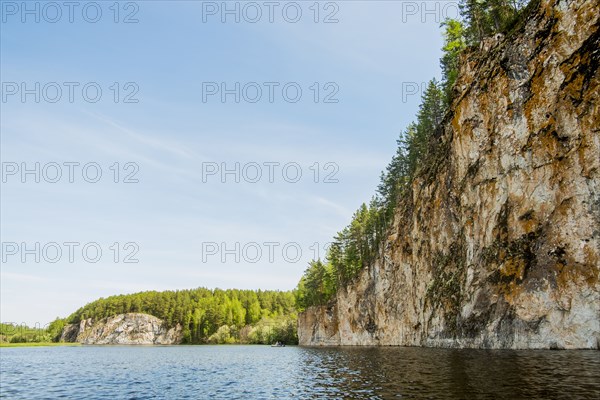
(450, 373)
(247, 372)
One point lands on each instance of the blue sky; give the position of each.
(172, 215)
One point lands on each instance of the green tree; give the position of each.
(55, 328)
(486, 17)
(454, 44)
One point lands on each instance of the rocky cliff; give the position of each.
(499, 244)
(132, 328)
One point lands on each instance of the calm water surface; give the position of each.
(262, 372)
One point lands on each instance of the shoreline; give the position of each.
(38, 344)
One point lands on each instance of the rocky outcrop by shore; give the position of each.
(124, 329)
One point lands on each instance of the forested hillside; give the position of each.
(207, 316)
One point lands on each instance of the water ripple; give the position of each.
(262, 372)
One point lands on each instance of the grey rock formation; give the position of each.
(126, 329)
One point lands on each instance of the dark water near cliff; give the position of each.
(259, 372)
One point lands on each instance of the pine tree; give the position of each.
(454, 43)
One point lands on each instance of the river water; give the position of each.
(262, 372)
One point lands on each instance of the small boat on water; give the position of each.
(278, 344)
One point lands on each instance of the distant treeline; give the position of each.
(417, 155)
(208, 316)
(21, 333)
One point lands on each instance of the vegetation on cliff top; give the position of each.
(358, 245)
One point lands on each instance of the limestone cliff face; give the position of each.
(499, 246)
(128, 329)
